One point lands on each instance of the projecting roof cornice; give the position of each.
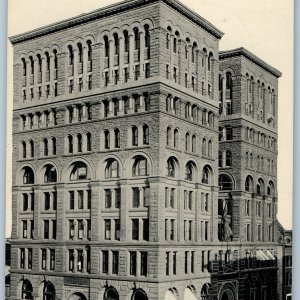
(110, 11)
(244, 52)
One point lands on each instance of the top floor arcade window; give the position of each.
(116, 43)
(112, 169)
(140, 166)
(80, 53)
(206, 175)
(90, 52)
(55, 58)
(136, 38)
(171, 167)
(189, 171)
(249, 184)
(147, 36)
(106, 46)
(28, 176)
(79, 171)
(71, 55)
(24, 66)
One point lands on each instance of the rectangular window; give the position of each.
(89, 199)
(80, 199)
(55, 89)
(47, 201)
(32, 201)
(186, 253)
(52, 259)
(186, 80)
(117, 198)
(71, 260)
(172, 230)
(174, 263)
(144, 263)
(190, 230)
(47, 90)
(206, 231)
(90, 82)
(105, 262)
(29, 252)
(126, 73)
(175, 75)
(193, 83)
(167, 263)
(106, 78)
(202, 261)
(137, 72)
(116, 76)
(167, 71)
(31, 228)
(31, 93)
(46, 229)
(25, 202)
(135, 197)
(88, 229)
(80, 229)
(54, 229)
(71, 229)
(24, 229)
(117, 229)
(146, 229)
(133, 263)
(79, 260)
(135, 229)
(44, 259)
(115, 262)
(72, 197)
(193, 262)
(107, 198)
(40, 92)
(147, 70)
(54, 203)
(80, 84)
(71, 86)
(22, 258)
(107, 229)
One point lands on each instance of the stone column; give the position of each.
(124, 210)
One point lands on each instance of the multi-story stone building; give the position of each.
(115, 160)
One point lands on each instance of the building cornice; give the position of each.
(244, 52)
(112, 10)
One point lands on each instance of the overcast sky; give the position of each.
(265, 27)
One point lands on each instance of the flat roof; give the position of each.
(246, 53)
(111, 10)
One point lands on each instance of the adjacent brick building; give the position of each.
(121, 117)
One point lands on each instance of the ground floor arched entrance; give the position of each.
(77, 296)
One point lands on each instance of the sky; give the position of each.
(264, 27)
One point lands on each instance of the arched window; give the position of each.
(116, 44)
(225, 183)
(209, 61)
(90, 51)
(228, 158)
(271, 189)
(24, 149)
(71, 55)
(206, 175)
(80, 53)
(31, 145)
(50, 174)
(112, 169)
(204, 147)
(189, 171)
(171, 167)
(28, 176)
(31, 65)
(187, 142)
(39, 60)
(187, 109)
(106, 46)
(79, 142)
(47, 61)
(210, 148)
(169, 136)
(194, 48)
(27, 290)
(139, 295)
(260, 188)
(49, 291)
(247, 159)
(55, 58)
(146, 135)
(46, 149)
(88, 141)
(147, 36)
(229, 82)
(53, 146)
(79, 171)
(24, 66)
(176, 138)
(249, 184)
(111, 294)
(106, 139)
(136, 38)
(251, 160)
(140, 166)
(117, 138)
(134, 133)
(70, 141)
(126, 41)
(194, 144)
